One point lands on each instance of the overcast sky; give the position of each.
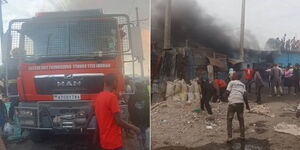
(264, 18)
(15, 9)
(27, 8)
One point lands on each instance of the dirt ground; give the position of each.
(175, 126)
(65, 142)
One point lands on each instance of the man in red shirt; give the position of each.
(248, 76)
(108, 116)
(220, 86)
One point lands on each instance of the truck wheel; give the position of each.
(38, 136)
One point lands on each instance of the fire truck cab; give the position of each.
(55, 63)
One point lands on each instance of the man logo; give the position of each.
(68, 83)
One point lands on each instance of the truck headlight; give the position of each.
(25, 113)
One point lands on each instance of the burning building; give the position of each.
(196, 41)
(207, 40)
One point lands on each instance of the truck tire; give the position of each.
(38, 136)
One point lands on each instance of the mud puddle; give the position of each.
(249, 144)
(259, 127)
(260, 130)
(258, 124)
(58, 142)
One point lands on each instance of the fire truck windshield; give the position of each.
(69, 38)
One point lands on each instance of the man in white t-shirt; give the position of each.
(237, 97)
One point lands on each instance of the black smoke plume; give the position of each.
(190, 22)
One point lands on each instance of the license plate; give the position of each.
(66, 97)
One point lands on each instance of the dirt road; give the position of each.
(64, 142)
(175, 126)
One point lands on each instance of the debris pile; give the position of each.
(262, 110)
(290, 108)
(287, 128)
(177, 120)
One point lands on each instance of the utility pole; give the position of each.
(2, 145)
(1, 19)
(167, 37)
(138, 25)
(167, 30)
(242, 54)
(137, 16)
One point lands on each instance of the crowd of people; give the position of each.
(238, 85)
(280, 81)
(284, 44)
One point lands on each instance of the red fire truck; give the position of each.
(55, 63)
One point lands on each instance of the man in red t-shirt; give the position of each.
(108, 116)
(248, 76)
(220, 86)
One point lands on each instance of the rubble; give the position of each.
(262, 110)
(290, 108)
(287, 128)
(200, 128)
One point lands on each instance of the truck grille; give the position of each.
(85, 83)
